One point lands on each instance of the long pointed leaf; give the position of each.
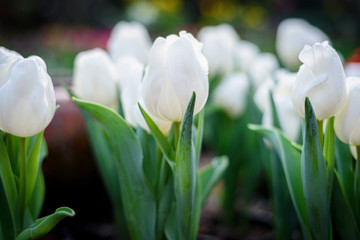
(8, 181)
(314, 177)
(185, 173)
(206, 179)
(159, 137)
(7, 227)
(139, 204)
(290, 158)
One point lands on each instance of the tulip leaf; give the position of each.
(164, 209)
(7, 227)
(343, 215)
(8, 182)
(185, 173)
(33, 164)
(44, 225)
(345, 170)
(206, 179)
(284, 213)
(290, 157)
(159, 137)
(148, 145)
(126, 152)
(38, 195)
(314, 177)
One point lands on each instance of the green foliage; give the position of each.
(12, 220)
(160, 191)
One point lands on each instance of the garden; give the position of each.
(179, 119)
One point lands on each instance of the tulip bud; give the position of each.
(347, 120)
(129, 38)
(177, 68)
(27, 98)
(219, 43)
(290, 122)
(322, 79)
(245, 52)
(352, 69)
(131, 74)
(262, 67)
(95, 78)
(292, 34)
(231, 94)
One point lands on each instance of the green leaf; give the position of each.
(185, 173)
(290, 157)
(164, 209)
(38, 196)
(159, 137)
(314, 177)
(138, 200)
(344, 218)
(207, 177)
(148, 146)
(345, 170)
(8, 182)
(33, 164)
(7, 227)
(44, 225)
(106, 165)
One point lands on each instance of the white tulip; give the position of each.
(290, 122)
(129, 38)
(347, 120)
(244, 53)
(262, 67)
(322, 79)
(231, 94)
(352, 69)
(27, 98)
(131, 74)
(292, 35)
(177, 68)
(95, 78)
(219, 43)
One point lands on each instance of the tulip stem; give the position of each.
(22, 179)
(321, 132)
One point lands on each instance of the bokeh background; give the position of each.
(58, 29)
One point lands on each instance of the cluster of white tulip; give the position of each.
(176, 68)
(323, 80)
(27, 98)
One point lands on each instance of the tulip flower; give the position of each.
(131, 74)
(292, 34)
(219, 43)
(177, 68)
(129, 38)
(290, 122)
(347, 120)
(322, 79)
(262, 67)
(95, 78)
(231, 94)
(27, 98)
(244, 53)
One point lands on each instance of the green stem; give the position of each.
(177, 133)
(321, 132)
(22, 179)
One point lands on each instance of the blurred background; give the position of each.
(58, 29)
